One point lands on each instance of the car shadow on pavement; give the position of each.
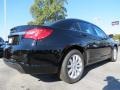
(112, 83)
(55, 78)
(93, 66)
(47, 77)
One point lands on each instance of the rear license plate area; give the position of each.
(13, 40)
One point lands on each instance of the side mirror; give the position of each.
(111, 35)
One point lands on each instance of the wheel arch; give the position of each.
(66, 50)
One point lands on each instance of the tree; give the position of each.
(117, 37)
(47, 10)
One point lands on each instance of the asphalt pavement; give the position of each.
(101, 76)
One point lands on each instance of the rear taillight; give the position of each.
(38, 33)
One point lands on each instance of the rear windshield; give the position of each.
(62, 24)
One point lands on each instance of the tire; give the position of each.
(114, 54)
(1, 56)
(71, 66)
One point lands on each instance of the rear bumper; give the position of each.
(30, 69)
(14, 65)
(38, 60)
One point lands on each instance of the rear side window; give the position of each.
(87, 28)
(100, 32)
(77, 26)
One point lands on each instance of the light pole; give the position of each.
(5, 18)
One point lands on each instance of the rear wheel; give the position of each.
(114, 54)
(72, 67)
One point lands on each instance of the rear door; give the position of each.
(91, 42)
(105, 46)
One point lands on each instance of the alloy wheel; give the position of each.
(74, 66)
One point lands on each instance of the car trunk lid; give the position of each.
(17, 33)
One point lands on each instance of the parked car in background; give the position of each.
(1, 47)
(65, 47)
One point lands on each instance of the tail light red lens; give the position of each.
(38, 33)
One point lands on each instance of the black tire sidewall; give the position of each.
(64, 71)
(112, 58)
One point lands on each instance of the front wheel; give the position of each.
(72, 67)
(114, 54)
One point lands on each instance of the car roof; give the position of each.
(73, 19)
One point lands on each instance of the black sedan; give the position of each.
(64, 47)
